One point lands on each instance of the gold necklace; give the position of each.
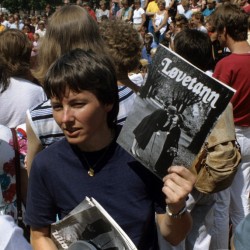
(91, 171)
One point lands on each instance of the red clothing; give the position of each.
(30, 36)
(234, 70)
(247, 9)
(92, 13)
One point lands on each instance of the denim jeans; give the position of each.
(233, 204)
(201, 208)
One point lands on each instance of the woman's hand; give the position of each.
(177, 185)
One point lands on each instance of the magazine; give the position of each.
(91, 223)
(173, 113)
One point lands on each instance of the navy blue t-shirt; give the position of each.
(128, 191)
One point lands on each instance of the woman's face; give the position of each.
(137, 5)
(171, 27)
(103, 7)
(82, 118)
(209, 27)
(161, 6)
(175, 119)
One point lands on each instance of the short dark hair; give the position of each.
(80, 70)
(195, 46)
(233, 18)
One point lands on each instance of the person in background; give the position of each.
(101, 11)
(41, 29)
(66, 2)
(114, 8)
(196, 5)
(240, 239)
(11, 22)
(197, 22)
(2, 27)
(83, 90)
(169, 35)
(79, 2)
(149, 44)
(180, 22)
(218, 51)
(18, 23)
(244, 4)
(139, 16)
(4, 19)
(196, 47)
(27, 21)
(34, 52)
(126, 11)
(124, 46)
(160, 21)
(28, 33)
(35, 45)
(184, 9)
(17, 91)
(211, 4)
(34, 22)
(87, 6)
(48, 11)
(152, 8)
(232, 204)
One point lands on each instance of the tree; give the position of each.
(28, 5)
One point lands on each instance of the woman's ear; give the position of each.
(108, 107)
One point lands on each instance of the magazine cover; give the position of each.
(173, 113)
(90, 223)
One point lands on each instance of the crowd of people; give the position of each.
(70, 76)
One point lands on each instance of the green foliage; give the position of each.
(27, 5)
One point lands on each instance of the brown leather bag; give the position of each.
(218, 160)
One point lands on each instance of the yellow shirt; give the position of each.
(2, 27)
(152, 7)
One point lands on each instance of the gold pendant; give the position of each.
(91, 172)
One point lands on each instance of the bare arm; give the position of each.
(170, 5)
(40, 239)
(164, 21)
(148, 12)
(153, 22)
(143, 16)
(177, 185)
(34, 145)
(130, 14)
(145, 5)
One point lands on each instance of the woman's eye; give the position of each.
(78, 104)
(56, 107)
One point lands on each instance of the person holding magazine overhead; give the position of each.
(82, 87)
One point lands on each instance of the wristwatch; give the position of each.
(178, 215)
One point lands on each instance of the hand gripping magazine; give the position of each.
(91, 223)
(173, 113)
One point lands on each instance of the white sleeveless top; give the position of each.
(158, 20)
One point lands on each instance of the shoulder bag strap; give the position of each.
(18, 177)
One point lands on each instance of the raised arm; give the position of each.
(177, 222)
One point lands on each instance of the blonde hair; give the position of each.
(68, 28)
